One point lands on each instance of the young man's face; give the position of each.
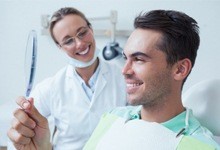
(147, 75)
(75, 37)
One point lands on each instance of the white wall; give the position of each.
(17, 18)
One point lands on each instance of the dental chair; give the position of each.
(204, 99)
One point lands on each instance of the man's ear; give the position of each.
(182, 68)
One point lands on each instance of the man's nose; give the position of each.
(127, 69)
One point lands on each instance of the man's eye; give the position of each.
(137, 59)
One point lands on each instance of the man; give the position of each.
(159, 54)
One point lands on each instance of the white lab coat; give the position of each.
(75, 116)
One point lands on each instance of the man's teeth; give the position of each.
(133, 85)
(84, 52)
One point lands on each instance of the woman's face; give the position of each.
(75, 37)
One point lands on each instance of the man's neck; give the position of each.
(162, 112)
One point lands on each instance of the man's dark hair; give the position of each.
(180, 33)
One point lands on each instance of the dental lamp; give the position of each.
(111, 50)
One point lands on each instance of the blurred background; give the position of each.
(17, 18)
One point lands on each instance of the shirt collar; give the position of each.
(175, 124)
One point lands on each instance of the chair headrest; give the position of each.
(204, 99)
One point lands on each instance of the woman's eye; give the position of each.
(82, 34)
(69, 41)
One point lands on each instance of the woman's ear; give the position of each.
(182, 69)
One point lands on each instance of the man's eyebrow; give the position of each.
(136, 54)
(139, 54)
